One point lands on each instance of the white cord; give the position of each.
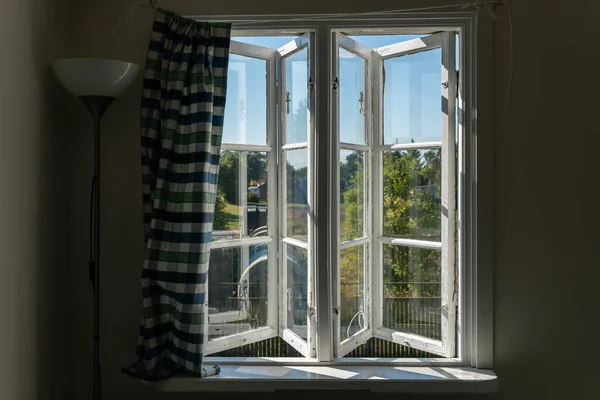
(358, 314)
(511, 55)
(129, 16)
(396, 11)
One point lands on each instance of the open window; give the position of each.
(263, 287)
(352, 77)
(392, 109)
(297, 315)
(395, 107)
(242, 298)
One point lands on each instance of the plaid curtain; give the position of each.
(183, 105)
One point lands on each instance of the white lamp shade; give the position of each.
(95, 77)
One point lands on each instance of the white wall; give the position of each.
(545, 176)
(34, 351)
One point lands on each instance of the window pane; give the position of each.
(246, 107)
(352, 194)
(412, 194)
(375, 41)
(412, 290)
(241, 204)
(273, 347)
(412, 101)
(296, 195)
(352, 97)
(273, 42)
(352, 291)
(237, 290)
(297, 289)
(295, 101)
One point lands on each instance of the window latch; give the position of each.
(311, 85)
(287, 102)
(361, 101)
(336, 83)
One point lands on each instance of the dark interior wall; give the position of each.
(545, 222)
(34, 350)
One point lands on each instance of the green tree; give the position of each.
(411, 209)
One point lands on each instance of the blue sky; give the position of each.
(412, 99)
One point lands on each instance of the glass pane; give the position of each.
(380, 348)
(241, 204)
(375, 41)
(412, 194)
(295, 100)
(412, 290)
(272, 42)
(352, 194)
(297, 194)
(246, 107)
(273, 347)
(297, 290)
(237, 290)
(352, 97)
(412, 101)
(352, 291)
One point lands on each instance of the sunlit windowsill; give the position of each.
(398, 379)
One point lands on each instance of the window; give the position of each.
(372, 115)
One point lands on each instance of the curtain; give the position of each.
(183, 104)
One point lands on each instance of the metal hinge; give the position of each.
(311, 308)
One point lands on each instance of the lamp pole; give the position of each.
(97, 83)
(96, 105)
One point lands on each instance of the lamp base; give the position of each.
(97, 105)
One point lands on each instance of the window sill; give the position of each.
(256, 378)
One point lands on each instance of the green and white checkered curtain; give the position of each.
(183, 105)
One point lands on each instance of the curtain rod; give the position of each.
(251, 19)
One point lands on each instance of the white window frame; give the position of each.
(445, 347)
(345, 346)
(220, 320)
(290, 336)
(475, 174)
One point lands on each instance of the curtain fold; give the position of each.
(183, 104)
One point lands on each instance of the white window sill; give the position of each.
(258, 378)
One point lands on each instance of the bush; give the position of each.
(253, 198)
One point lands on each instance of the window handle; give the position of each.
(361, 101)
(287, 102)
(289, 299)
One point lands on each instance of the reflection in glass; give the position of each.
(272, 42)
(412, 194)
(353, 97)
(352, 194)
(412, 102)
(412, 290)
(296, 97)
(237, 290)
(352, 291)
(296, 182)
(296, 298)
(246, 107)
(242, 194)
(375, 41)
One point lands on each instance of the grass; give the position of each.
(232, 216)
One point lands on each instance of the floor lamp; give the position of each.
(96, 82)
